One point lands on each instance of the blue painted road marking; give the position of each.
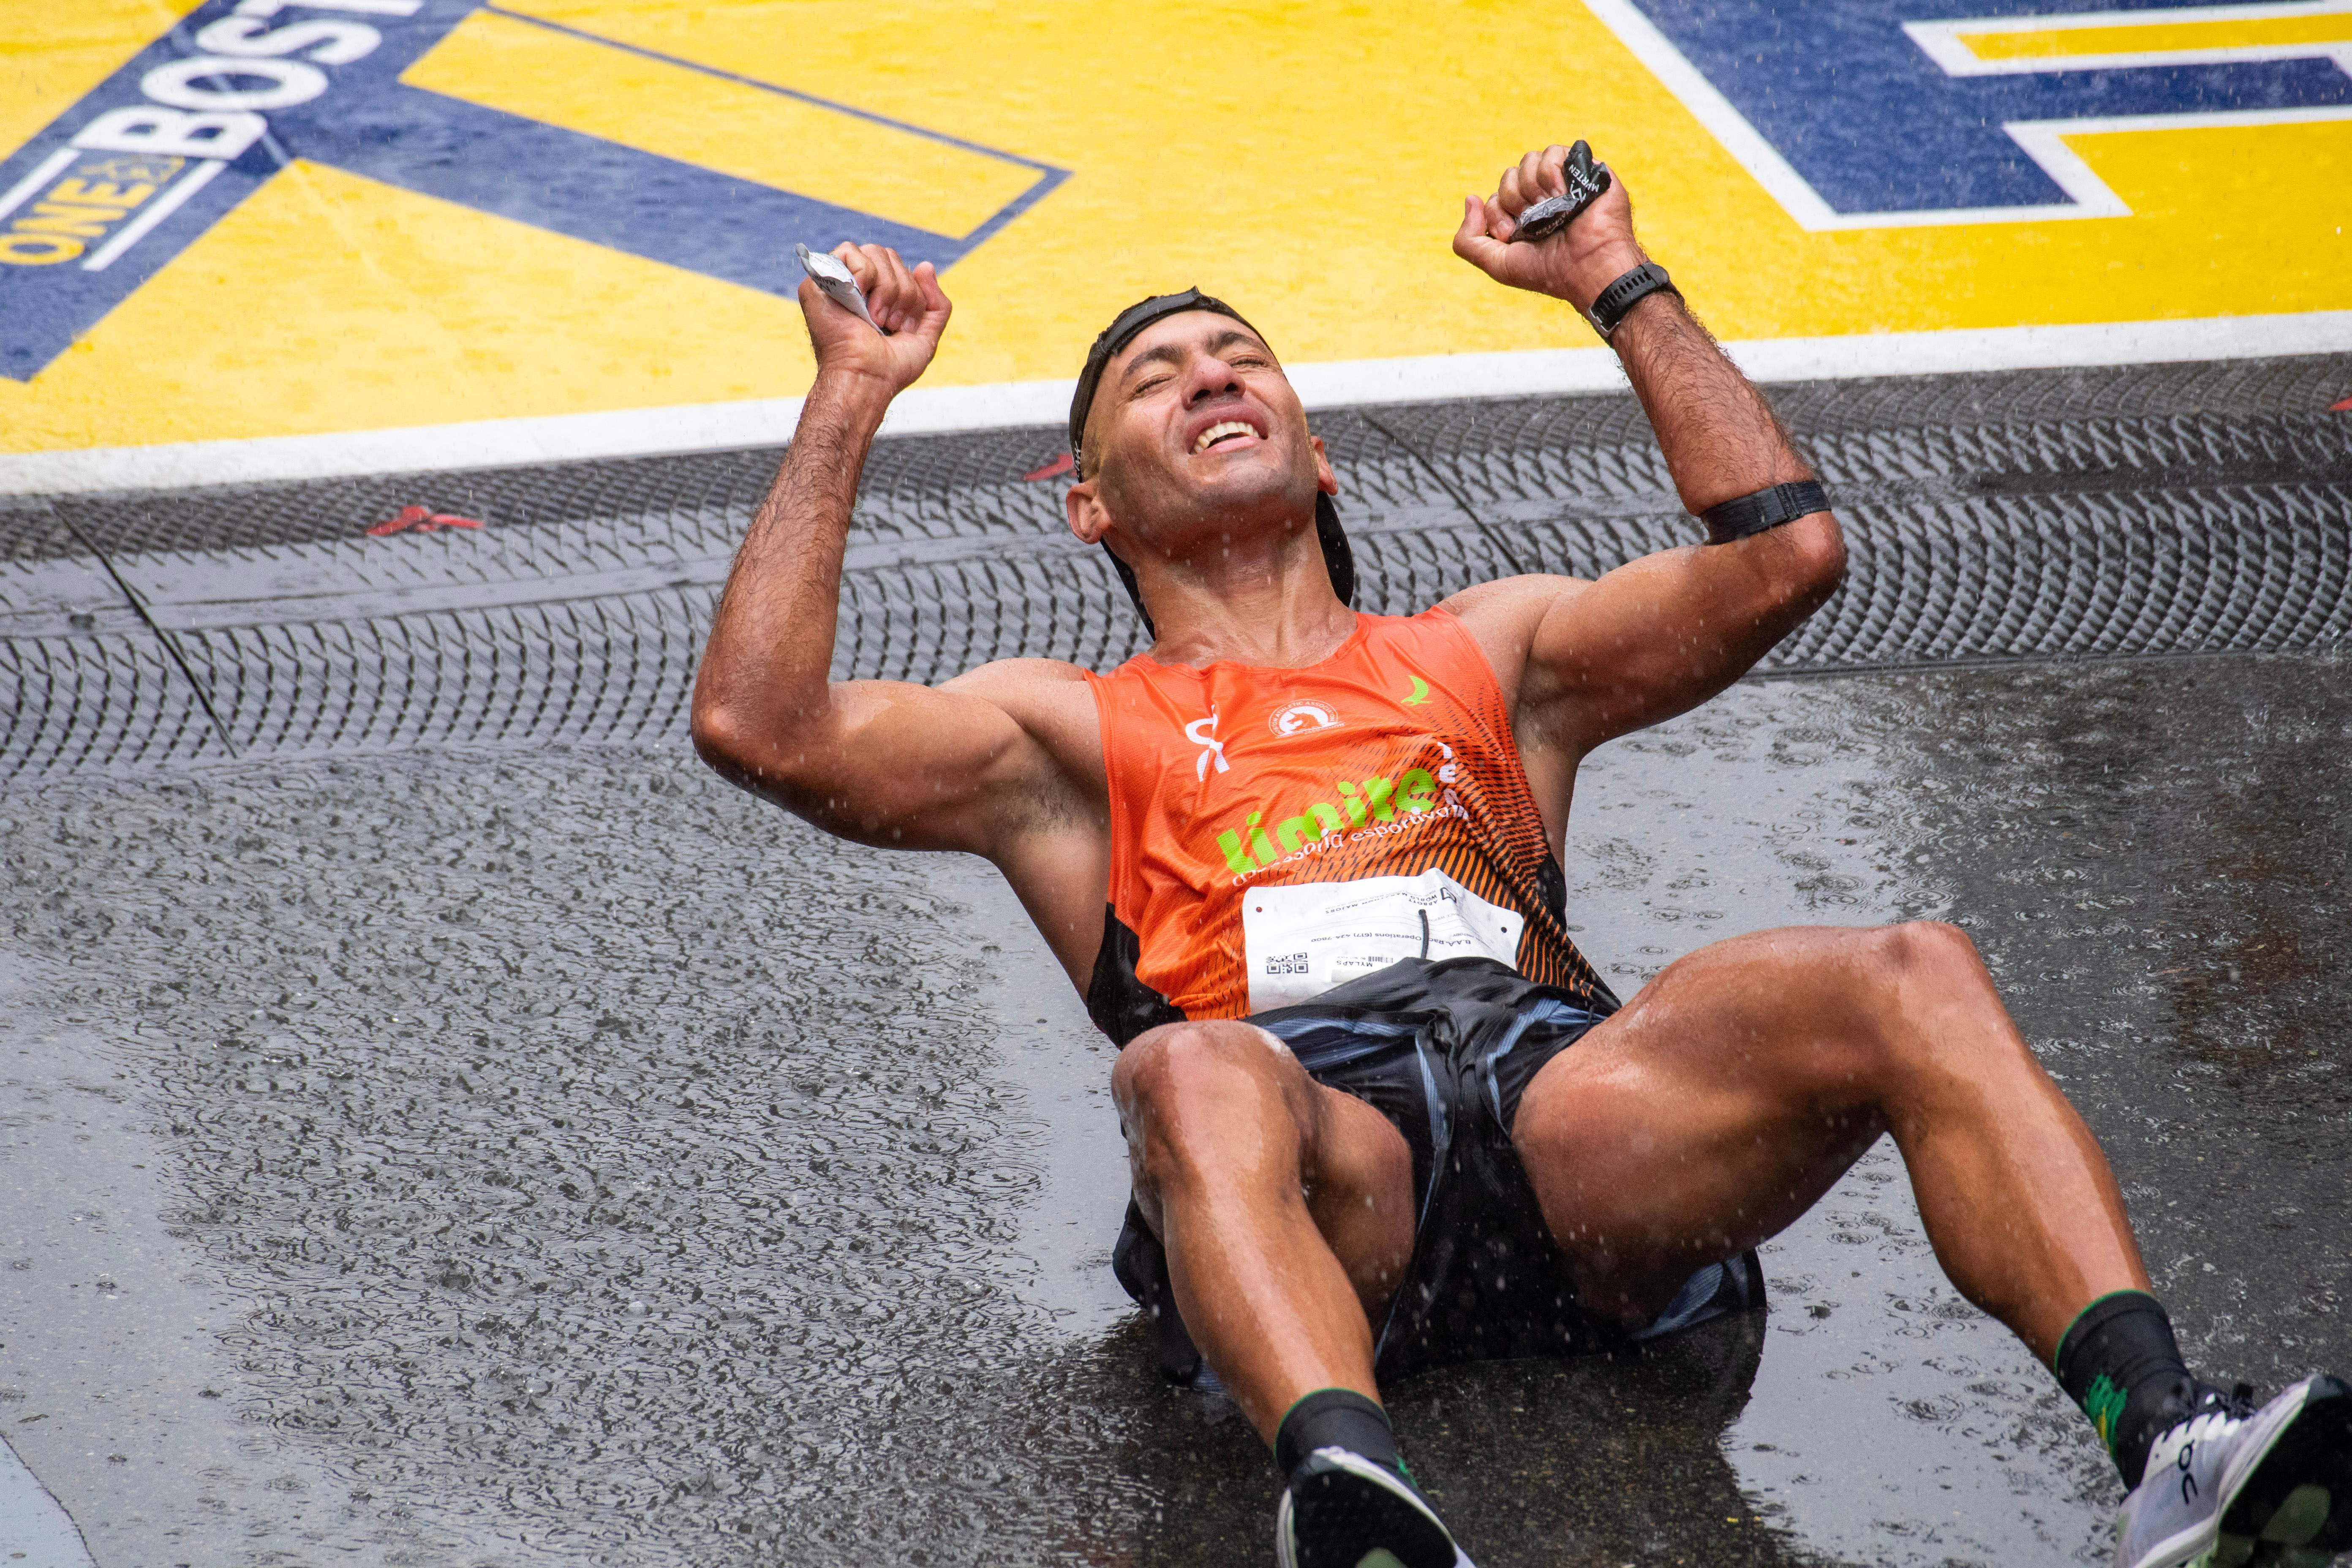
(130, 175)
(1875, 128)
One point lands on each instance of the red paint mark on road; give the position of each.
(420, 520)
(1053, 470)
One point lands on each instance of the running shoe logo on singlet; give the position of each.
(1197, 732)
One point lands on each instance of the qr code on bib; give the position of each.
(1286, 963)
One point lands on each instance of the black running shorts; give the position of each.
(1444, 1050)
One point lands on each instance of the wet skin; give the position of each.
(1706, 1116)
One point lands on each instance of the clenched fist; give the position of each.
(907, 304)
(1575, 264)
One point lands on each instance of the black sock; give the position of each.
(1334, 1418)
(2120, 1362)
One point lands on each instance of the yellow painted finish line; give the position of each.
(1306, 161)
(2152, 36)
(667, 108)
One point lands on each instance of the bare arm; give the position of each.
(1662, 634)
(883, 762)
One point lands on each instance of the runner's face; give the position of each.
(1194, 420)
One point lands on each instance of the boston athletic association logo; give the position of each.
(1293, 718)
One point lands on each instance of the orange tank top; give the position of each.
(1278, 832)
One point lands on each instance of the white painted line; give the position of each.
(2044, 141)
(2150, 59)
(2164, 16)
(725, 427)
(2045, 348)
(1947, 42)
(52, 165)
(1741, 139)
(33, 1523)
(1764, 162)
(2087, 196)
(140, 228)
(1341, 384)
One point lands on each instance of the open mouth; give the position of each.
(1228, 430)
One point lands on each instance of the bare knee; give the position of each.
(1164, 1069)
(1934, 951)
(1936, 1004)
(1865, 1008)
(1186, 1089)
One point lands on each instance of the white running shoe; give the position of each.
(1342, 1510)
(2234, 1487)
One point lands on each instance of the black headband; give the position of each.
(1338, 559)
(1117, 336)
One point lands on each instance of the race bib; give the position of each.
(1300, 941)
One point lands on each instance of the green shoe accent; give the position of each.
(2104, 1403)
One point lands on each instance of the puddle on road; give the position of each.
(604, 1167)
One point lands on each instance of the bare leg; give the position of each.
(1740, 1084)
(1286, 1208)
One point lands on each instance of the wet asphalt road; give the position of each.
(558, 1157)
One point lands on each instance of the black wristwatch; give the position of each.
(1609, 306)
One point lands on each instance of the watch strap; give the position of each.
(1609, 306)
(1744, 515)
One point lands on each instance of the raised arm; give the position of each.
(1662, 634)
(882, 762)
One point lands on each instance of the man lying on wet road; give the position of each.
(1382, 1113)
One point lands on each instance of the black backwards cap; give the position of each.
(1337, 558)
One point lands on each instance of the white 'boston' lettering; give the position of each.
(211, 117)
(169, 132)
(329, 43)
(186, 84)
(365, 7)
